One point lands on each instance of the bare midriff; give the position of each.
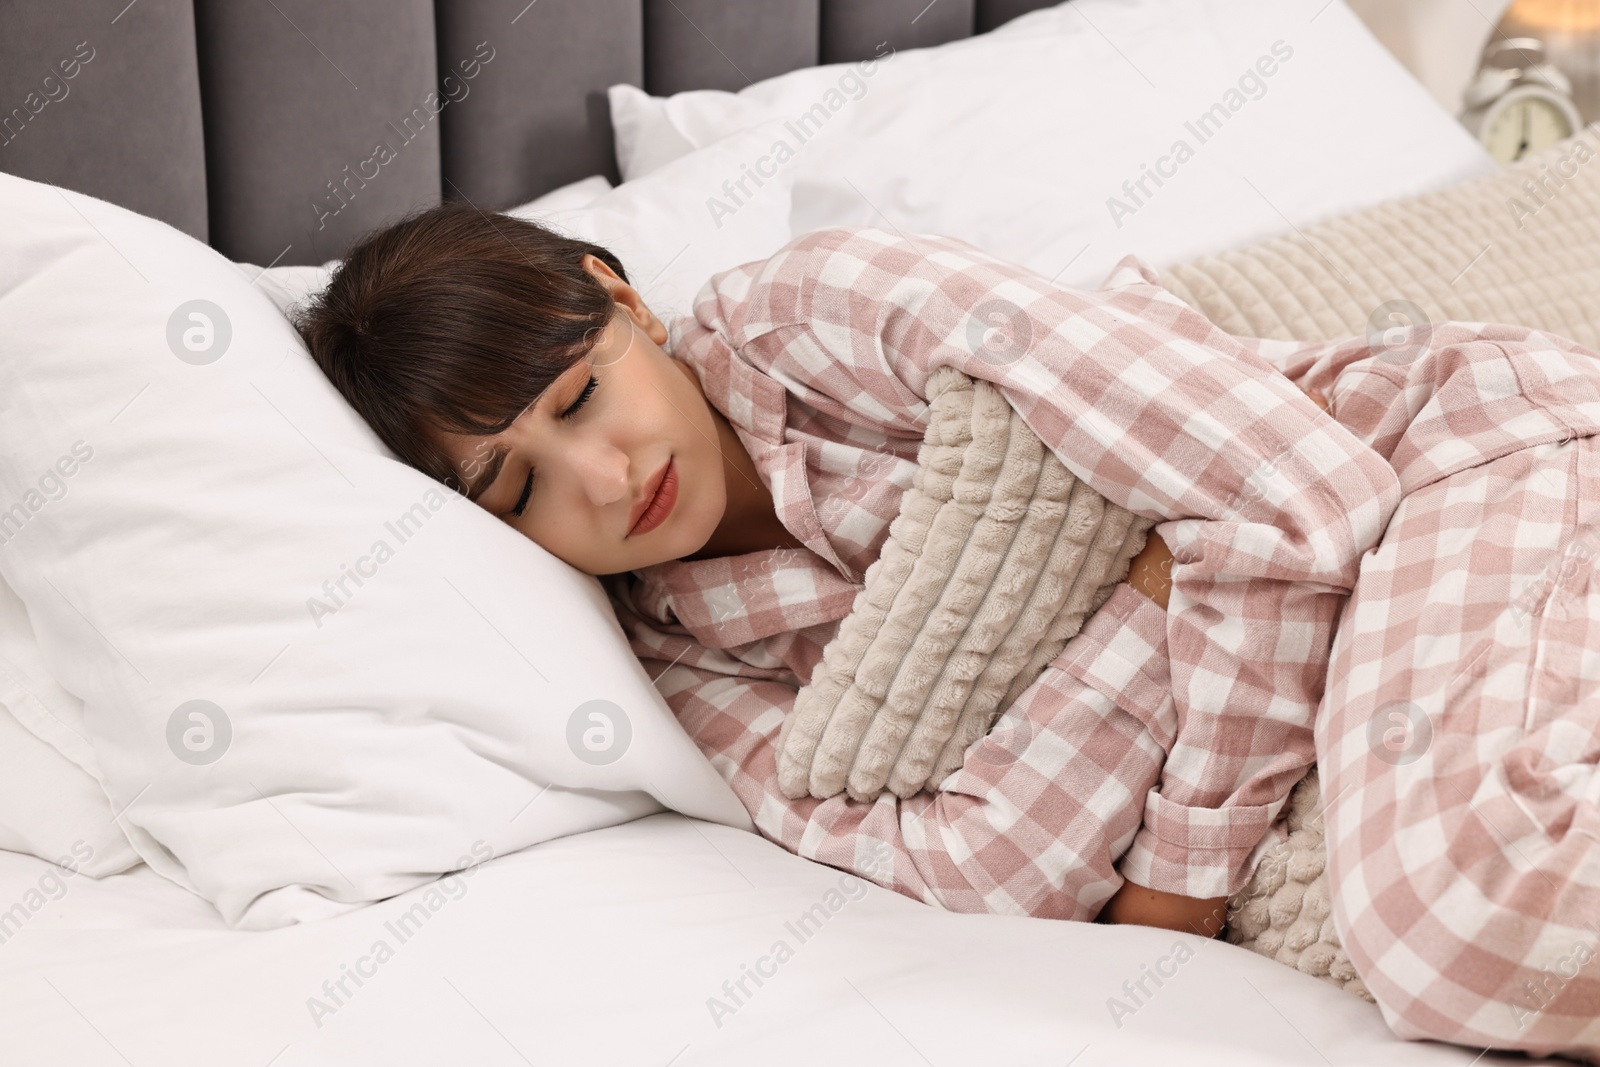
(1151, 570)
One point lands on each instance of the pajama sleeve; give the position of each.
(1030, 824)
(1267, 503)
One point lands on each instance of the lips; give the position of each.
(649, 512)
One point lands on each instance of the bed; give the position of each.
(643, 924)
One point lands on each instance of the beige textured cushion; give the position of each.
(997, 556)
(1286, 911)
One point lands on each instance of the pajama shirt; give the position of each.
(1159, 746)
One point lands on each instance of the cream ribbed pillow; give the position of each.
(997, 556)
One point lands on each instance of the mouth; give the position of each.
(661, 493)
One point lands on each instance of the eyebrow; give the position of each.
(497, 458)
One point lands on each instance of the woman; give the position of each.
(735, 484)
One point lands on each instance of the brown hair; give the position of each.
(452, 320)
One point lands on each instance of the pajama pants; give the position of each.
(1459, 734)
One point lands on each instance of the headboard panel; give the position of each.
(124, 125)
(714, 44)
(851, 31)
(294, 112)
(536, 116)
(282, 130)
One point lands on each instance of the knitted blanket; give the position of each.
(997, 557)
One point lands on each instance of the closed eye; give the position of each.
(583, 398)
(572, 409)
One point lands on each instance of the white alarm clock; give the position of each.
(1518, 103)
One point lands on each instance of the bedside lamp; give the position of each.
(1570, 33)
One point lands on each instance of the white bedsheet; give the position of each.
(605, 947)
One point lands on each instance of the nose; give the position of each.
(603, 472)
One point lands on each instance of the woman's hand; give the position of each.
(1139, 906)
(1317, 398)
(1151, 574)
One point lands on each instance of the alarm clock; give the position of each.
(1519, 103)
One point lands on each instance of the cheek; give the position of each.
(553, 527)
(693, 418)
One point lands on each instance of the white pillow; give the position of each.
(288, 287)
(580, 193)
(50, 806)
(311, 676)
(53, 809)
(1019, 139)
(48, 803)
(677, 226)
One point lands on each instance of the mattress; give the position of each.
(663, 941)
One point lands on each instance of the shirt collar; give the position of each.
(754, 404)
(733, 600)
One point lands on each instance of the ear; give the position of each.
(627, 298)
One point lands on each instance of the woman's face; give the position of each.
(596, 452)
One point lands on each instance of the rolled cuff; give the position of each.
(1196, 852)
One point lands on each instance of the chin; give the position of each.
(682, 543)
(705, 528)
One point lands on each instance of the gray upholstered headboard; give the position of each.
(281, 130)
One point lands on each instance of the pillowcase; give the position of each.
(1076, 134)
(311, 677)
(289, 287)
(703, 212)
(580, 193)
(50, 806)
